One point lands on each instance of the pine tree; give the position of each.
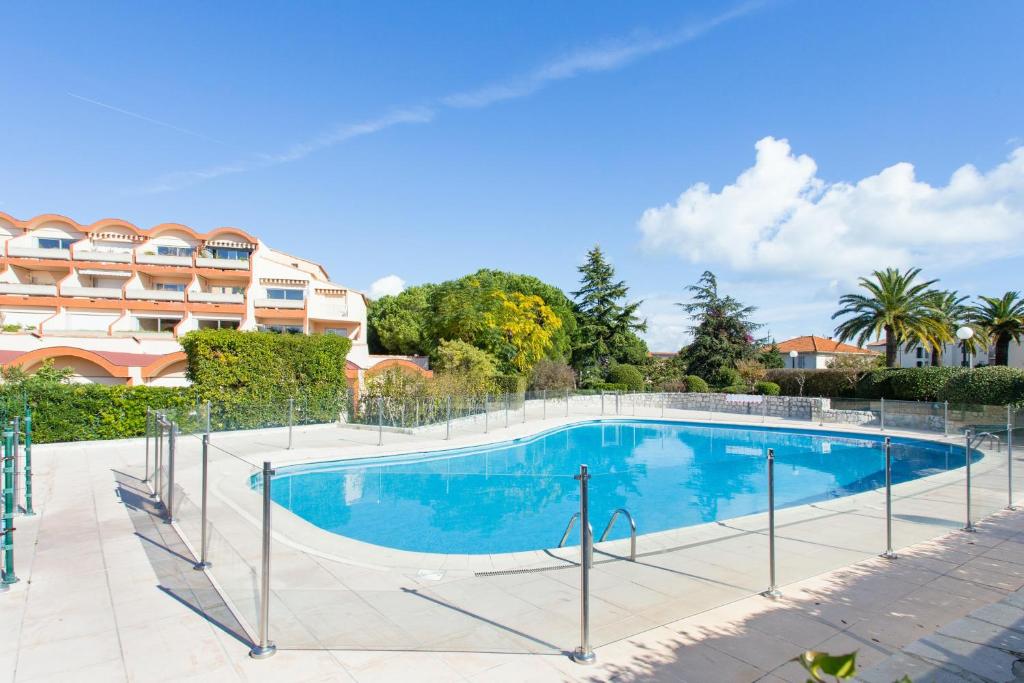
(723, 333)
(606, 323)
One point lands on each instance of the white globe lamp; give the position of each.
(963, 334)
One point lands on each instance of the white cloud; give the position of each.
(780, 218)
(387, 285)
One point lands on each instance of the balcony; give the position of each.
(216, 298)
(103, 256)
(158, 260)
(32, 290)
(224, 263)
(280, 303)
(36, 252)
(154, 294)
(92, 292)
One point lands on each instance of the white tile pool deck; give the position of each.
(108, 592)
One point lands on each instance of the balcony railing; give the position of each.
(36, 252)
(34, 290)
(216, 297)
(224, 263)
(106, 256)
(154, 294)
(162, 260)
(92, 292)
(280, 303)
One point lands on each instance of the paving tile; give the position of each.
(985, 662)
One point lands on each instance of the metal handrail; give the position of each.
(632, 531)
(568, 530)
(978, 438)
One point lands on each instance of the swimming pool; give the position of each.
(518, 495)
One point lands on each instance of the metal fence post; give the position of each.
(17, 456)
(208, 419)
(524, 407)
(487, 412)
(28, 461)
(9, 576)
(291, 420)
(567, 403)
(584, 654)
(889, 553)
(969, 527)
(448, 418)
(1009, 459)
(158, 455)
(544, 397)
(881, 414)
(171, 439)
(664, 397)
(617, 393)
(764, 409)
(380, 421)
(602, 401)
(148, 429)
(945, 418)
(773, 588)
(264, 648)
(203, 563)
(507, 400)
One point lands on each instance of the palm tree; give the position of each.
(1003, 319)
(896, 305)
(950, 311)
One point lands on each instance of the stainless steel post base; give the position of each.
(969, 529)
(200, 566)
(773, 593)
(890, 555)
(263, 651)
(581, 657)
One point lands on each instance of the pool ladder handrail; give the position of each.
(980, 437)
(568, 530)
(632, 531)
(607, 529)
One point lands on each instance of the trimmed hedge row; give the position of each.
(991, 385)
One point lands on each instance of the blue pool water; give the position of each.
(519, 495)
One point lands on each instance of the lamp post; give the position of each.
(792, 358)
(964, 334)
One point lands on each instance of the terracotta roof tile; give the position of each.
(812, 344)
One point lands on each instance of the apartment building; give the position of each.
(952, 355)
(110, 300)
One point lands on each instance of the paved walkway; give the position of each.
(108, 593)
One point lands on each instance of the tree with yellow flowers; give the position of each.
(525, 323)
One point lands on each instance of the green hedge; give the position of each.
(985, 386)
(727, 377)
(992, 385)
(696, 384)
(627, 375)
(608, 386)
(510, 384)
(766, 388)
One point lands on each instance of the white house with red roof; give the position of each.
(817, 353)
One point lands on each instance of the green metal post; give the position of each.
(28, 461)
(8, 545)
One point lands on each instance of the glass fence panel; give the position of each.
(929, 491)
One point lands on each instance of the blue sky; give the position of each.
(427, 141)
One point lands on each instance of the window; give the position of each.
(174, 251)
(226, 289)
(286, 294)
(340, 331)
(920, 363)
(158, 324)
(280, 329)
(170, 286)
(218, 324)
(920, 353)
(229, 253)
(55, 242)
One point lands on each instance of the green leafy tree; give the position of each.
(607, 324)
(463, 369)
(553, 375)
(398, 324)
(1002, 319)
(723, 332)
(897, 305)
(950, 312)
(526, 325)
(628, 375)
(770, 357)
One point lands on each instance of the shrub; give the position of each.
(678, 387)
(696, 384)
(827, 383)
(766, 388)
(751, 371)
(552, 374)
(992, 385)
(463, 369)
(738, 389)
(626, 375)
(920, 384)
(875, 384)
(395, 382)
(509, 384)
(726, 377)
